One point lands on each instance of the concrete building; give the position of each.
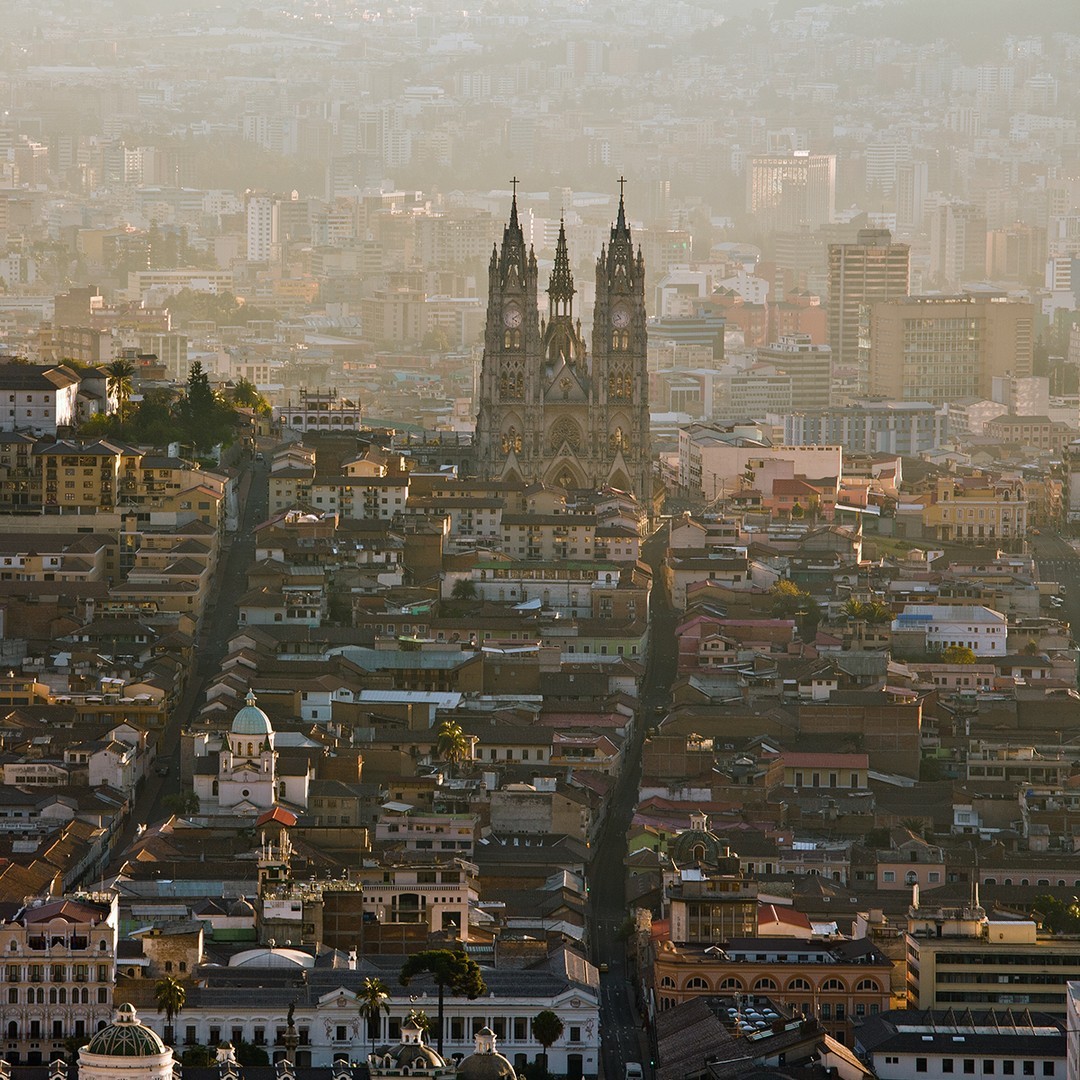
(944, 625)
(809, 367)
(958, 957)
(860, 274)
(939, 348)
(785, 192)
(867, 426)
(38, 399)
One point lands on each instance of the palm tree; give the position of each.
(374, 999)
(119, 382)
(547, 1028)
(854, 609)
(876, 613)
(420, 1019)
(171, 997)
(452, 744)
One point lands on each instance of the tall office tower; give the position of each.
(884, 157)
(860, 274)
(261, 210)
(912, 184)
(548, 411)
(1016, 253)
(957, 244)
(785, 192)
(941, 348)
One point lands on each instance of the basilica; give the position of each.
(550, 411)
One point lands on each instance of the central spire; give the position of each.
(561, 285)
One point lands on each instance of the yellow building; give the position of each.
(977, 508)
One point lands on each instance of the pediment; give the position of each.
(565, 384)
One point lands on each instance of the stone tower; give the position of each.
(548, 411)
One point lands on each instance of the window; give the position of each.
(920, 1065)
(888, 875)
(1029, 1068)
(988, 1067)
(969, 1065)
(946, 1065)
(1008, 1068)
(575, 1034)
(1048, 1068)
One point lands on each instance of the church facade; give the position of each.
(550, 410)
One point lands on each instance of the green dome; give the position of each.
(251, 720)
(126, 1037)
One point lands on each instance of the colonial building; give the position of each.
(549, 411)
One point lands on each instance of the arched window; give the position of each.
(869, 985)
(697, 983)
(251, 749)
(832, 984)
(214, 788)
(667, 982)
(731, 983)
(798, 984)
(765, 984)
(911, 878)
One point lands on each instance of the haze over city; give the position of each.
(539, 540)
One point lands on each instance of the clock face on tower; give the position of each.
(512, 316)
(620, 318)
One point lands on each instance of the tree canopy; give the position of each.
(452, 970)
(958, 654)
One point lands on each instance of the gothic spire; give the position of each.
(561, 285)
(513, 259)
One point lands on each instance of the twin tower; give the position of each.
(549, 410)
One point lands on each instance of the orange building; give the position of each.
(837, 981)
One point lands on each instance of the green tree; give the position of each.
(854, 609)
(246, 394)
(1058, 916)
(119, 383)
(170, 996)
(797, 512)
(463, 589)
(791, 602)
(250, 1054)
(374, 1000)
(197, 1057)
(181, 803)
(877, 613)
(957, 654)
(452, 971)
(1032, 648)
(547, 1029)
(420, 1019)
(452, 744)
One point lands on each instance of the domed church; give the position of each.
(244, 777)
(125, 1050)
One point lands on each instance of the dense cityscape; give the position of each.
(539, 541)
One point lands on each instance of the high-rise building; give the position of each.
(548, 411)
(940, 348)
(871, 269)
(261, 211)
(785, 192)
(957, 244)
(808, 365)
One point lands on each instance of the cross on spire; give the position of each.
(514, 181)
(622, 185)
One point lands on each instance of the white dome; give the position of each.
(251, 720)
(273, 958)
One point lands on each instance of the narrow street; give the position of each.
(228, 586)
(623, 1035)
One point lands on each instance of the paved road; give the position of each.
(1057, 561)
(228, 586)
(623, 1038)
